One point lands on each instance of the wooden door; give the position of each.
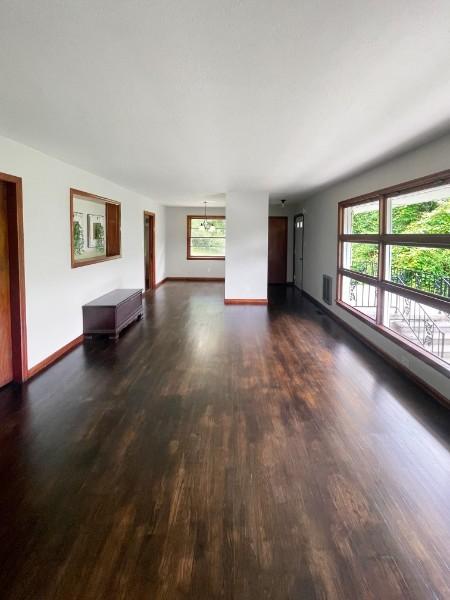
(298, 251)
(146, 252)
(6, 359)
(149, 250)
(278, 229)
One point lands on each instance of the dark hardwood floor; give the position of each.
(224, 452)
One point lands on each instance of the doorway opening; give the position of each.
(277, 260)
(299, 222)
(149, 250)
(13, 344)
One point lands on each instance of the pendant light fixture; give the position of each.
(206, 225)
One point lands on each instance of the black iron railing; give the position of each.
(422, 280)
(362, 295)
(366, 268)
(419, 322)
(409, 312)
(419, 280)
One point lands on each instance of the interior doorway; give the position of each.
(13, 352)
(278, 237)
(149, 250)
(298, 250)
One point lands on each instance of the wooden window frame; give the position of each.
(188, 238)
(384, 239)
(101, 200)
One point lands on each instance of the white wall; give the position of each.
(54, 291)
(177, 264)
(320, 240)
(247, 233)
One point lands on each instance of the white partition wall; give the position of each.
(247, 216)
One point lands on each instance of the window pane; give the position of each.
(361, 296)
(419, 323)
(207, 242)
(218, 224)
(361, 257)
(426, 211)
(362, 218)
(207, 247)
(426, 269)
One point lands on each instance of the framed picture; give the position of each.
(96, 231)
(95, 228)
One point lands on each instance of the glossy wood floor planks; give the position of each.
(236, 452)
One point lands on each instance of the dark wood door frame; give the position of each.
(151, 249)
(17, 276)
(303, 245)
(284, 219)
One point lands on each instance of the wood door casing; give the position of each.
(298, 250)
(12, 198)
(149, 241)
(277, 260)
(6, 357)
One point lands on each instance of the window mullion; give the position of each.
(381, 259)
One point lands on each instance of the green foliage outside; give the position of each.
(99, 237)
(78, 238)
(208, 243)
(426, 217)
(219, 228)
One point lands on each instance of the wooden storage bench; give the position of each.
(111, 313)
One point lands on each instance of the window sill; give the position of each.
(423, 355)
(93, 261)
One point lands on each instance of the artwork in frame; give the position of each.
(78, 233)
(96, 232)
(95, 228)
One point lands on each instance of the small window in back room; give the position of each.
(206, 238)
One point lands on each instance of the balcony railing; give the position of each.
(366, 268)
(419, 280)
(409, 313)
(423, 327)
(422, 280)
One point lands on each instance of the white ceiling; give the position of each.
(180, 99)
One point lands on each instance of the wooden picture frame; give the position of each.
(112, 228)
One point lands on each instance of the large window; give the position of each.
(206, 243)
(394, 264)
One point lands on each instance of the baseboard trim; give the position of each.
(198, 279)
(259, 301)
(158, 284)
(192, 279)
(50, 360)
(426, 387)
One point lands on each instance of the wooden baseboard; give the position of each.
(55, 356)
(197, 279)
(426, 387)
(259, 301)
(207, 279)
(158, 284)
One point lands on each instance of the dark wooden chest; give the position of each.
(111, 313)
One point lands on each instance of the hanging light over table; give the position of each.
(206, 225)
